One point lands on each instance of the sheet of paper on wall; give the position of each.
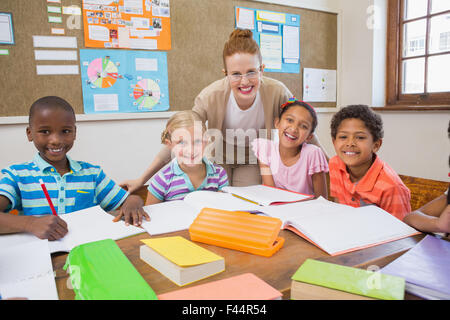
(72, 10)
(291, 44)
(59, 55)
(245, 18)
(56, 69)
(319, 85)
(106, 102)
(54, 42)
(271, 50)
(271, 16)
(6, 29)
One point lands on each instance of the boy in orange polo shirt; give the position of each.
(358, 176)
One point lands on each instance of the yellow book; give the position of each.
(180, 260)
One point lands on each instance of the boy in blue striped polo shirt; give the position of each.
(72, 185)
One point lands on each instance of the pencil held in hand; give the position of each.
(50, 203)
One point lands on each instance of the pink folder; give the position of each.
(246, 286)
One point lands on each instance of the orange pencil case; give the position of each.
(237, 230)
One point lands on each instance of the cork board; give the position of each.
(199, 30)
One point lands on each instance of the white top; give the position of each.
(236, 118)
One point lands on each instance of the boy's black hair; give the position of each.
(371, 120)
(304, 105)
(49, 102)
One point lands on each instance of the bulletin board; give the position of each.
(127, 24)
(277, 34)
(199, 29)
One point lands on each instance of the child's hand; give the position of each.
(131, 185)
(48, 227)
(443, 222)
(132, 211)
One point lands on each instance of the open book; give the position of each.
(338, 228)
(265, 195)
(178, 215)
(87, 225)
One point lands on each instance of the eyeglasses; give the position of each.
(235, 77)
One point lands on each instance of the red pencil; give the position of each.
(50, 203)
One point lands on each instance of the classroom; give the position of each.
(352, 40)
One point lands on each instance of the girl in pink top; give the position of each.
(292, 163)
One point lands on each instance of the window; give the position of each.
(418, 54)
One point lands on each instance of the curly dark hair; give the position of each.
(371, 120)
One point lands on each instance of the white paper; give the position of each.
(54, 42)
(150, 44)
(53, 19)
(269, 27)
(169, 216)
(53, 9)
(87, 225)
(58, 31)
(219, 200)
(98, 33)
(319, 85)
(143, 64)
(264, 195)
(271, 16)
(336, 228)
(291, 43)
(133, 6)
(246, 19)
(106, 102)
(143, 33)
(92, 224)
(6, 32)
(124, 37)
(56, 69)
(72, 10)
(26, 271)
(55, 55)
(271, 50)
(140, 23)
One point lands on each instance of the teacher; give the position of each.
(239, 106)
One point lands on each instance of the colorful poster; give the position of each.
(127, 24)
(116, 81)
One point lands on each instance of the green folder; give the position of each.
(100, 271)
(353, 280)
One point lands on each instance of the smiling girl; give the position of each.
(292, 163)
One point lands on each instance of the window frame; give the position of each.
(395, 99)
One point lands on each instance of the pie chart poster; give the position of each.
(118, 81)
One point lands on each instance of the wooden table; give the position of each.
(276, 270)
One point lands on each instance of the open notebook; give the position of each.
(87, 225)
(178, 215)
(26, 271)
(265, 195)
(338, 228)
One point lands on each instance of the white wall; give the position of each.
(415, 143)
(124, 148)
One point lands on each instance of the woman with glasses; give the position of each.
(238, 108)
